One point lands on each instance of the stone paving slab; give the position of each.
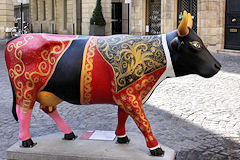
(51, 147)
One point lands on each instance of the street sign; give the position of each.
(127, 1)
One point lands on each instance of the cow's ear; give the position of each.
(190, 20)
(175, 44)
(183, 28)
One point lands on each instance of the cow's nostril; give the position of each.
(218, 66)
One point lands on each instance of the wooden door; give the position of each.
(232, 25)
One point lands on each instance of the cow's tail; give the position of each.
(14, 37)
(13, 90)
(14, 103)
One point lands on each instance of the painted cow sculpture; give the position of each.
(122, 70)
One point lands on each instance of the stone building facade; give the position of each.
(140, 17)
(9, 11)
(6, 17)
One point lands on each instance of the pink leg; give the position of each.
(53, 113)
(62, 125)
(24, 118)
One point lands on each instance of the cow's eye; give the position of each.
(196, 44)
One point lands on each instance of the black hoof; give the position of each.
(28, 143)
(70, 136)
(123, 140)
(157, 152)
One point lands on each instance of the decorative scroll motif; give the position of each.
(19, 69)
(86, 74)
(132, 57)
(30, 72)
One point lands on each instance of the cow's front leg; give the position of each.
(62, 125)
(133, 106)
(120, 131)
(24, 118)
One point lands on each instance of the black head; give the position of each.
(189, 54)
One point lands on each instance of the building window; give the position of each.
(191, 7)
(153, 21)
(65, 13)
(44, 10)
(53, 10)
(36, 10)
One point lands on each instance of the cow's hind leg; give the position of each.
(49, 103)
(120, 131)
(24, 118)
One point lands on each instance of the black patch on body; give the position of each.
(65, 81)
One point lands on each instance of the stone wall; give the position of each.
(6, 17)
(137, 17)
(44, 25)
(168, 16)
(211, 23)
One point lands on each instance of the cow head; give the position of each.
(188, 53)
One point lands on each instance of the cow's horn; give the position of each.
(182, 28)
(190, 20)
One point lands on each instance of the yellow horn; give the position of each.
(190, 20)
(182, 28)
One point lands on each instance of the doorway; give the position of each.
(232, 25)
(153, 17)
(116, 17)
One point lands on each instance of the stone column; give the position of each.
(138, 17)
(211, 15)
(6, 17)
(168, 16)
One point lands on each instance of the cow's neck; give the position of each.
(169, 70)
(174, 57)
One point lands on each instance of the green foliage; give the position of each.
(97, 16)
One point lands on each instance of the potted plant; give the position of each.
(97, 22)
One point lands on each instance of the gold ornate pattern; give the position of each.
(86, 73)
(138, 110)
(144, 88)
(132, 57)
(19, 68)
(30, 72)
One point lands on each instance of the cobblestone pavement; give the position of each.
(197, 117)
